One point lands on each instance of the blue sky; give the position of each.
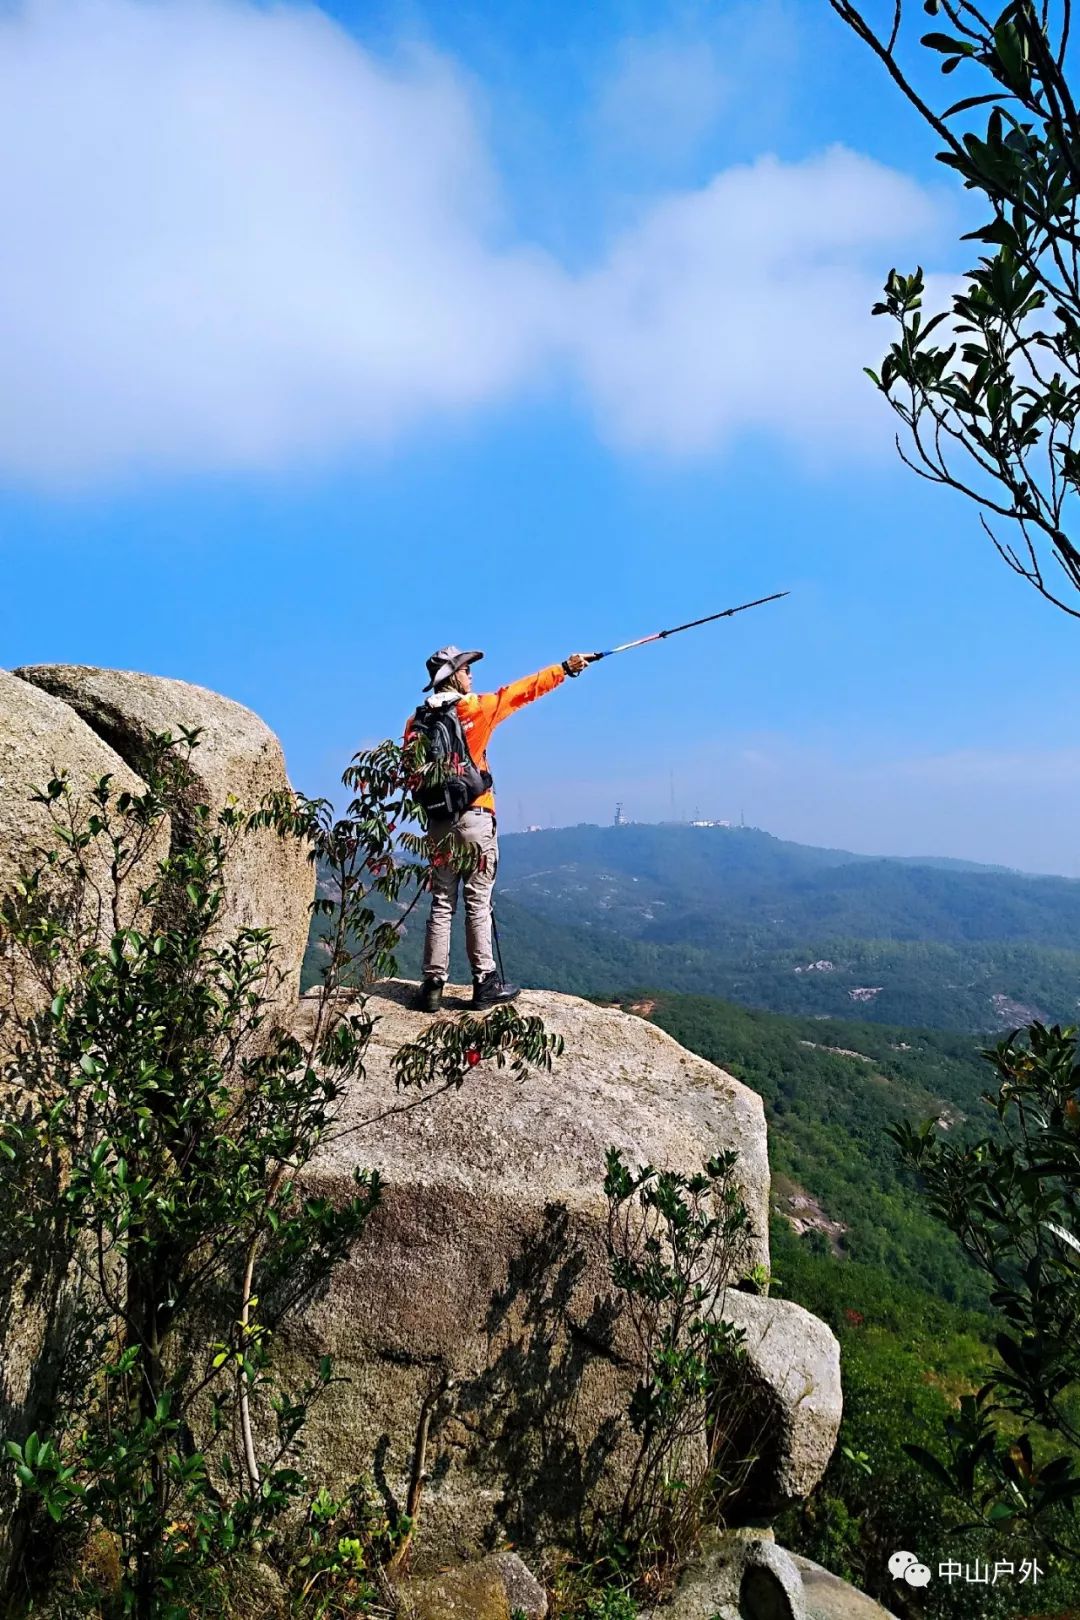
(331, 336)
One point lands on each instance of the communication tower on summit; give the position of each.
(618, 822)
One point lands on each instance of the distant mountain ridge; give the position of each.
(821, 933)
(738, 913)
(711, 886)
(954, 863)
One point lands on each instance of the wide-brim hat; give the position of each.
(446, 662)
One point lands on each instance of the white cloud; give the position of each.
(746, 305)
(231, 236)
(235, 239)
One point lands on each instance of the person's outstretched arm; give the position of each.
(508, 699)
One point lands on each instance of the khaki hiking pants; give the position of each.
(477, 828)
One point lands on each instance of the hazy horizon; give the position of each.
(723, 825)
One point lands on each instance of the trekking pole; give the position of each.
(498, 947)
(660, 635)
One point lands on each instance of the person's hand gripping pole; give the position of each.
(578, 661)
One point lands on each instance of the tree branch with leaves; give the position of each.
(1013, 1202)
(988, 386)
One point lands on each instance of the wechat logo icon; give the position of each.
(905, 1566)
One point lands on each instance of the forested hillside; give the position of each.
(738, 914)
(831, 1089)
(743, 883)
(852, 1241)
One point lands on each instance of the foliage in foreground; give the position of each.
(913, 1314)
(674, 1241)
(156, 1121)
(989, 388)
(1014, 1205)
(907, 1359)
(1000, 1386)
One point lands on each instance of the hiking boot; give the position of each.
(491, 991)
(430, 996)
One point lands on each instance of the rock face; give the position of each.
(269, 882)
(792, 1359)
(742, 1575)
(486, 1263)
(736, 1575)
(92, 723)
(495, 1588)
(827, 1597)
(39, 738)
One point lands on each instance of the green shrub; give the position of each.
(673, 1242)
(155, 1122)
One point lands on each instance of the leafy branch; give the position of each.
(1013, 1202)
(988, 388)
(157, 1120)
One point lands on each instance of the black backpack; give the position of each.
(455, 782)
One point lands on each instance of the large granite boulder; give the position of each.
(744, 1575)
(485, 1265)
(792, 1360)
(269, 881)
(736, 1575)
(483, 1275)
(41, 738)
(827, 1597)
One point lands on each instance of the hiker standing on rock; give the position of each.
(456, 723)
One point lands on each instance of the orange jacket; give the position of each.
(481, 712)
